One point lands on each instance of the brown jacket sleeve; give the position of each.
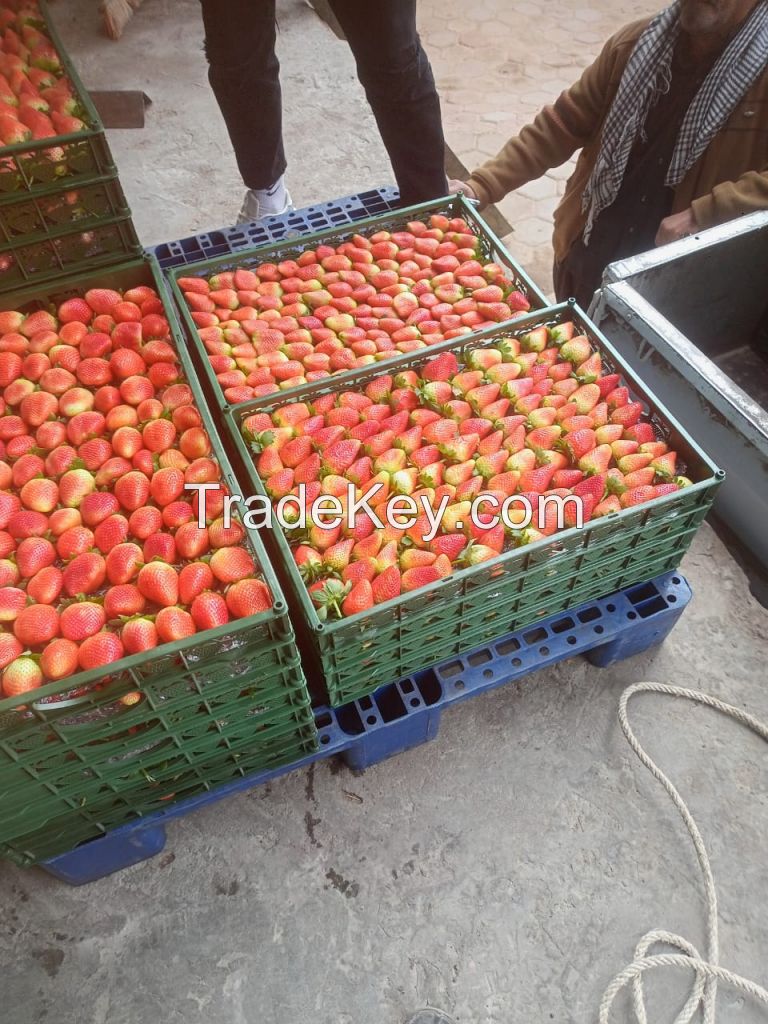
(732, 199)
(559, 130)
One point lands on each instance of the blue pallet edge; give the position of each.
(320, 217)
(406, 713)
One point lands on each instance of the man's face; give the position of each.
(699, 17)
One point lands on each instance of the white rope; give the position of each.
(707, 971)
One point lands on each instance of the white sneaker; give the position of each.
(258, 204)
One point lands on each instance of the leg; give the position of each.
(244, 75)
(396, 75)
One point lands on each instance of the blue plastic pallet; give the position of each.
(320, 217)
(407, 713)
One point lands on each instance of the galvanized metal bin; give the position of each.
(692, 319)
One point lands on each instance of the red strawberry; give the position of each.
(443, 367)
(85, 574)
(221, 536)
(174, 624)
(59, 659)
(34, 554)
(597, 461)
(139, 635)
(100, 649)
(132, 490)
(10, 648)
(420, 576)
(78, 621)
(36, 625)
(194, 578)
(637, 496)
(74, 541)
(27, 524)
(578, 443)
(98, 506)
(159, 583)
(110, 532)
(231, 564)
(46, 585)
(124, 599)
(102, 300)
(339, 456)
(20, 676)
(191, 541)
(248, 597)
(145, 521)
(75, 310)
(74, 486)
(209, 610)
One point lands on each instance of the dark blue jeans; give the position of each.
(392, 67)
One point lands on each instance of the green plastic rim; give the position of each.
(451, 206)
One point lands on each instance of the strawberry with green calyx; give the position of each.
(328, 597)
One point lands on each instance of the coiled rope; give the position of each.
(707, 970)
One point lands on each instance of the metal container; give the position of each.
(692, 319)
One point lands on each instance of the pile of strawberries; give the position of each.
(36, 98)
(339, 308)
(533, 415)
(100, 552)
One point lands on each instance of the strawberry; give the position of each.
(174, 624)
(359, 599)
(95, 508)
(10, 648)
(59, 659)
(208, 611)
(596, 461)
(145, 521)
(636, 496)
(36, 625)
(161, 546)
(110, 532)
(231, 564)
(536, 480)
(75, 310)
(98, 650)
(102, 300)
(248, 597)
(27, 523)
(159, 583)
(123, 599)
(607, 506)
(339, 456)
(442, 368)
(221, 536)
(123, 562)
(20, 676)
(579, 443)
(85, 574)
(627, 415)
(74, 486)
(80, 620)
(139, 635)
(664, 466)
(34, 554)
(166, 486)
(132, 491)
(421, 576)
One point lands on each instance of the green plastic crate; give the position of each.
(454, 206)
(58, 208)
(218, 705)
(355, 655)
(54, 254)
(27, 167)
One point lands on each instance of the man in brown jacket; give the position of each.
(672, 123)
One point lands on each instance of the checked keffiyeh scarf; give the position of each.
(647, 74)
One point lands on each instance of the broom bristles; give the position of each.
(116, 14)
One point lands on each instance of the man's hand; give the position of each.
(678, 225)
(454, 186)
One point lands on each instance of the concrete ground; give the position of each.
(506, 870)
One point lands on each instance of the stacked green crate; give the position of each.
(62, 209)
(81, 756)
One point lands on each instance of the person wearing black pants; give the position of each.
(392, 67)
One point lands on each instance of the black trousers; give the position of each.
(392, 67)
